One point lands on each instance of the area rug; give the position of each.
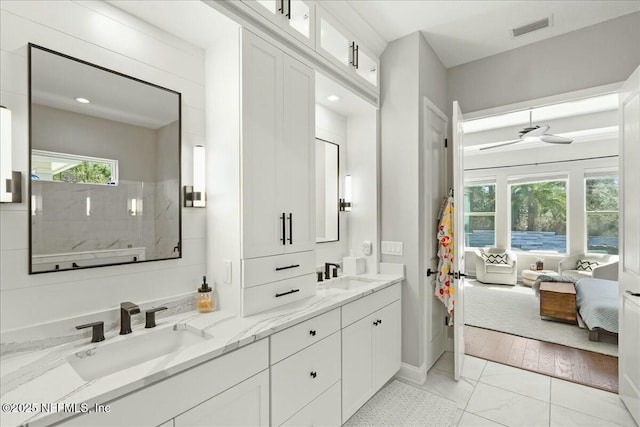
(516, 310)
(399, 404)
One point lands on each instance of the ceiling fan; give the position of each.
(533, 134)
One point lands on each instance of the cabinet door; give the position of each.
(367, 67)
(299, 20)
(262, 111)
(324, 411)
(298, 172)
(246, 404)
(387, 344)
(357, 365)
(333, 43)
(270, 9)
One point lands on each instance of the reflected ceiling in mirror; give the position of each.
(105, 166)
(327, 207)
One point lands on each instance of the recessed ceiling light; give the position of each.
(333, 98)
(83, 100)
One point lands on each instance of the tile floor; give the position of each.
(491, 394)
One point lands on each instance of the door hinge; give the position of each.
(446, 143)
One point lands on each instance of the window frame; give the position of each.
(80, 158)
(595, 176)
(528, 179)
(483, 183)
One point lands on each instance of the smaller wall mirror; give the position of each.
(327, 203)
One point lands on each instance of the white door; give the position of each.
(629, 272)
(297, 182)
(458, 240)
(263, 223)
(434, 189)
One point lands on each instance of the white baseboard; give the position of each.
(414, 374)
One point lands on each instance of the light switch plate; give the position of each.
(227, 271)
(391, 248)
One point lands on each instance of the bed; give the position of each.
(597, 301)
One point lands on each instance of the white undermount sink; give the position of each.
(349, 283)
(107, 358)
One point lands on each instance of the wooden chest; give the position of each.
(558, 301)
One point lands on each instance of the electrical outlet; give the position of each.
(391, 248)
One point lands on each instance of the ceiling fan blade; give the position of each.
(501, 144)
(536, 132)
(554, 139)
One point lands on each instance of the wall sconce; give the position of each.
(195, 195)
(135, 207)
(345, 204)
(10, 181)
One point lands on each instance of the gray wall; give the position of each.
(593, 56)
(409, 70)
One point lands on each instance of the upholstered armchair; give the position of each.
(598, 266)
(501, 270)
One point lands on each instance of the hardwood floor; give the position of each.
(555, 360)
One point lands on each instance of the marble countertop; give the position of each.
(31, 380)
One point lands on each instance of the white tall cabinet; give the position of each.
(261, 222)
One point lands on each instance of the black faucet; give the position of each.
(327, 267)
(97, 334)
(126, 310)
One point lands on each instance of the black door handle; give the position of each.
(430, 272)
(352, 60)
(281, 9)
(283, 238)
(289, 10)
(290, 228)
(356, 56)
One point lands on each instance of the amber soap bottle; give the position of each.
(205, 302)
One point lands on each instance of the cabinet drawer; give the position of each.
(324, 411)
(271, 295)
(299, 379)
(356, 310)
(258, 271)
(289, 341)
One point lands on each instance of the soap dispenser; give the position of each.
(205, 297)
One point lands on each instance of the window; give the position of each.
(601, 197)
(539, 216)
(72, 168)
(480, 215)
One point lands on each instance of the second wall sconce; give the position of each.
(195, 195)
(345, 204)
(10, 181)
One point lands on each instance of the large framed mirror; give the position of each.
(105, 166)
(327, 203)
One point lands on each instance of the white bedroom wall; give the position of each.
(593, 56)
(103, 35)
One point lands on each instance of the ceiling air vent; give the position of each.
(538, 25)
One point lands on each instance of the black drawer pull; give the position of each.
(292, 291)
(312, 333)
(314, 374)
(287, 267)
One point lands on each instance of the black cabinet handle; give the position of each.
(352, 60)
(281, 9)
(289, 9)
(292, 291)
(379, 321)
(313, 374)
(290, 228)
(375, 323)
(283, 238)
(287, 267)
(97, 333)
(356, 57)
(430, 272)
(312, 333)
